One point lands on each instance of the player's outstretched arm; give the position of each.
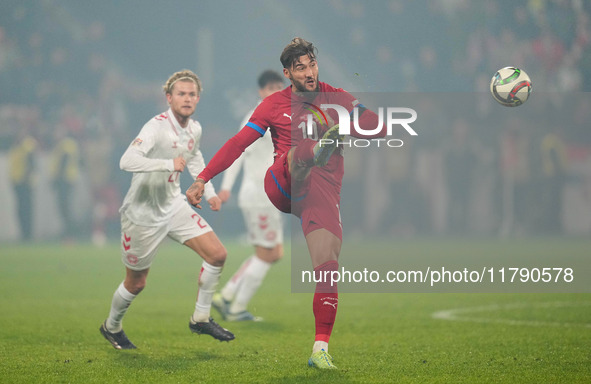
(229, 152)
(368, 120)
(230, 176)
(196, 165)
(223, 158)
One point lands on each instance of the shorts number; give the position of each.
(199, 224)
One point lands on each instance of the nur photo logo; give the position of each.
(390, 117)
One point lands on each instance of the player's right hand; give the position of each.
(195, 193)
(215, 203)
(224, 195)
(179, 164)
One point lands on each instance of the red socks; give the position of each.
(325, 301)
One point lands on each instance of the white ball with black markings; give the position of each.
(510, 86)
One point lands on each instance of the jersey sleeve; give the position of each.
(195, 165)
(135, 157)
(231, 174)
(347, 100)
(254, 129)
(261, 117)
(368, 119)
(233, 171)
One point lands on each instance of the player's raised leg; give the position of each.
(210, 248)
(310, 153)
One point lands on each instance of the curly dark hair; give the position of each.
(295, 49)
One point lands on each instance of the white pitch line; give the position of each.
(459, 314)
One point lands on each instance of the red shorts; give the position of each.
(278, 184)
(315, 201)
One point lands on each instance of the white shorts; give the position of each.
(264, 226)
(140, 243)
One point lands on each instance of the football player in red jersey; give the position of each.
(305, 178)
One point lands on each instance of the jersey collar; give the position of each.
(174, 124)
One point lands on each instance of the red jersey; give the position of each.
(285, 115)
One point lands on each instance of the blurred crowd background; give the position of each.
(79, 79)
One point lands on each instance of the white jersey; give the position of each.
(155, 194)
(256, 159)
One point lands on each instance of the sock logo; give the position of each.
(334, 305)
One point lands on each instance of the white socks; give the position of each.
(208, 281)
(253, 276)
(319, 345)
(122, 298)
(241, 288)
(231, 287)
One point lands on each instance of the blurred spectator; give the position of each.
(548, 50)
(402, 194)
(460, 158)
(65, 172)
(551, 181)
(98, 157)
(22, 175)
(516, 178)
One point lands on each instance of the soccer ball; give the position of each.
(510, 86)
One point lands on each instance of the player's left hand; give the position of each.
(195, 192)
(215, 203)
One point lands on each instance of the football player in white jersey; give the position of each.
(263, 221)
(155, 208)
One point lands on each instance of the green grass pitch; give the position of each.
(54, 299)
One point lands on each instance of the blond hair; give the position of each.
(184, 75)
